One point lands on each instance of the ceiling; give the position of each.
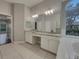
(29, 3)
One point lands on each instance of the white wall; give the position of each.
(27, 13)
(18, 22)
(28, 17)
(4, 8)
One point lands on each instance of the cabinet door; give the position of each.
(28, 37)
(44, 43)
(53, 44)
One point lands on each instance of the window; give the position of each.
(72, 17)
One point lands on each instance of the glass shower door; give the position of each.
(3, 33)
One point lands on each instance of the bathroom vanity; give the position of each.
(48, 41)
(44, 31)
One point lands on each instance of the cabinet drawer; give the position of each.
(47, 37)
(51, 37)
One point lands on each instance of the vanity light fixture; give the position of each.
(35, 16)
(49, 12)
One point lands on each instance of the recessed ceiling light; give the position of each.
(49, 12)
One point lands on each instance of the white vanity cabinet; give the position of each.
(50, 43)
(53, 44)
(28, 37)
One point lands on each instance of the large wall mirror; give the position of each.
(48, 23)
(72, 17)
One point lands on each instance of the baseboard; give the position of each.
(19, 42)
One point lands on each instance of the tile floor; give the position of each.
(23, 51)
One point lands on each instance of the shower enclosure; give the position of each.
(5, 30)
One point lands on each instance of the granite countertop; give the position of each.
(45, 33)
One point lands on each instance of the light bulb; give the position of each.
(52, 11)
(49, 12)
(46, 12)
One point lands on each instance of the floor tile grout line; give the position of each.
(44, 56)
(15, 51)
(20, 54)
(29, 56)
